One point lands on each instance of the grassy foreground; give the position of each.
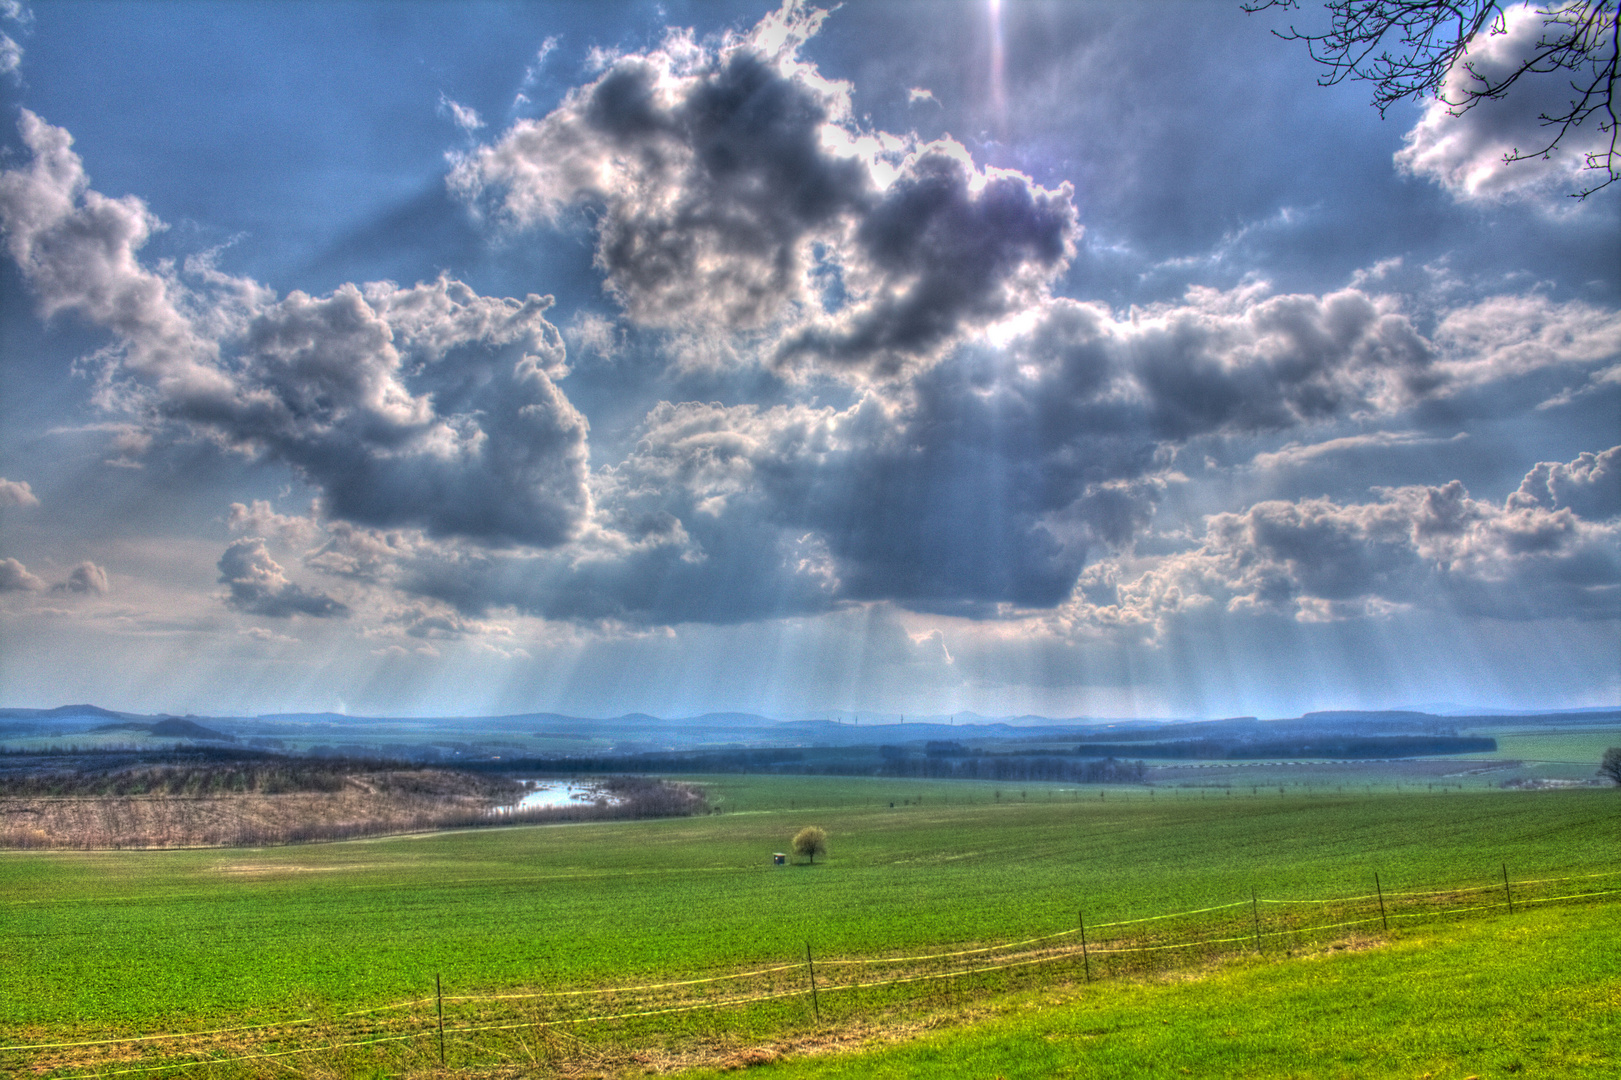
(117, 944)
(1536, 994)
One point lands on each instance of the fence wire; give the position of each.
(1047, 948)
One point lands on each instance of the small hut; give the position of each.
(779, 858)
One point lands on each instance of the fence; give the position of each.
(466, 1028)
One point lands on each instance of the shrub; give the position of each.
(810, 842)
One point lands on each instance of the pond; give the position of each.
(545, 794)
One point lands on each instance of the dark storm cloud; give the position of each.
(746, 573)
(987, 487)
(754, 183)
(712, 183)
(738, 194)
(259, 585)
(490, 450)
(948, 257)
(428, 406)
(1006, 468)
(1300, 358)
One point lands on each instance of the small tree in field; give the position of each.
(810, 842)
(1609, 766)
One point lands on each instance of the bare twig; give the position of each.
(1411, 49)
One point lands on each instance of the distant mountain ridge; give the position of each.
(65, 711)
(920, 727)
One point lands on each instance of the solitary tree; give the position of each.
(1609, 765)
(1408, 49)
(810, 842)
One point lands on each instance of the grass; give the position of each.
(121, 943)
(1581, 747)
(1534, 994)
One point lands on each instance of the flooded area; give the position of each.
(548, 794)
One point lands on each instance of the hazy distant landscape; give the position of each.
(958, 850)
(85, 777)
(1227, 906)
(1206, 859)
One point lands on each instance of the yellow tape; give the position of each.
(155, 1038)
(620, 989)
(832, 987)
(245, 1057)
(1173, 915)
(947, 955)
(628, 1016)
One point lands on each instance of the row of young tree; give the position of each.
(210, 773)
(1018, 767)
(1336, 747)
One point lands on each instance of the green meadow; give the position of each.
(1535, 997)
(107, 944)
(1578, 748)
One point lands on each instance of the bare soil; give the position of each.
(229, 806)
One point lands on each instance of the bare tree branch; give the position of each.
(1410, 49)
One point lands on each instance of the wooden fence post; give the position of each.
(1085, 959)
(1255, 909)
(1380, 890)
(810, 966)
(1506, 893)
(439, 997)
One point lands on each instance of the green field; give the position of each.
(1580, 748)
(1539, 997)
(126, 943)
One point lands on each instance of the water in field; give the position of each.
(544, 794)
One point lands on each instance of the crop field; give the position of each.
(1538, 998)
(1579, 747)
(1523, 754)
(1487, 772)
(105, 945)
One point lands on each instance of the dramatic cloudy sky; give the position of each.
(1075, 359)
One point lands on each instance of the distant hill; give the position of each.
(83, 710)
(1356, 715)
(642, 731)
(63, 712)
(172, 728)
(316, 718)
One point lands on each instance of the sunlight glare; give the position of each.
(998, 65)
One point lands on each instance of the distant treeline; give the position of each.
(1347, 747)
(725, 761)
(889, 761)
(175, 753)
(1019, 767)
(264, 775)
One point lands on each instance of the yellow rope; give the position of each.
(832, 987)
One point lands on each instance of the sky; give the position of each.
(1072, 359)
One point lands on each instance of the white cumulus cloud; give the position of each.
(1465, 151)
(17, 493)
